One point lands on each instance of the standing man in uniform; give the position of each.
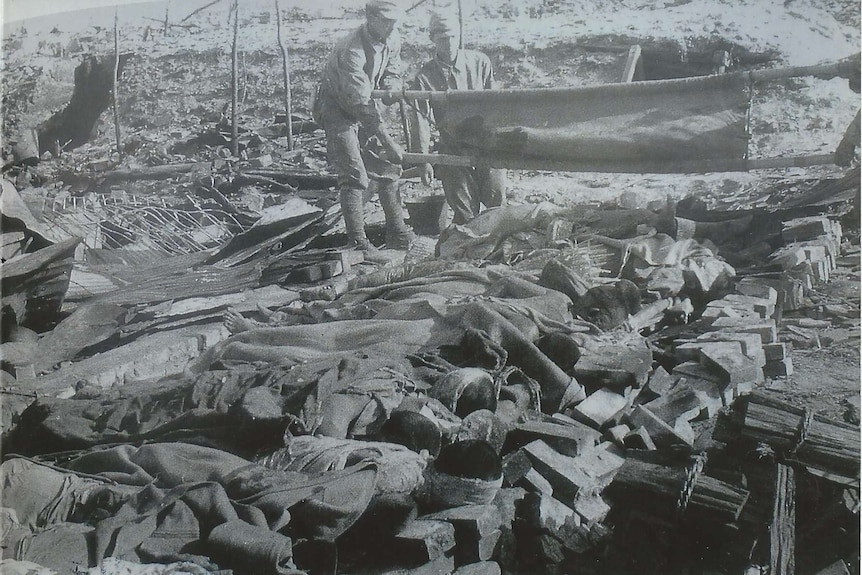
(454, 68)
(357, 145)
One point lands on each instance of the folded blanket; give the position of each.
(250, 549)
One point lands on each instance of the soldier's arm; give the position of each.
(354, 90)
(391, 77)
(418, 118)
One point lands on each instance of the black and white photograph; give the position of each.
(430, 287)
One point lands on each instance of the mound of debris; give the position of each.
(557, 390)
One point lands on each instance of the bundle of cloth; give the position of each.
(170, 502)
(300, 432)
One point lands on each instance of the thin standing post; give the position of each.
(114, 81)
(234, 132)
(165, 30)
(288, 103)
(402, 110)
(460, 26)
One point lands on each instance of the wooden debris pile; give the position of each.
(670, 461)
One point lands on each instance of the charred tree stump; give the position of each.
(73, 126)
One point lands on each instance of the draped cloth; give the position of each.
(668, 126)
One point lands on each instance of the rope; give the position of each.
(692, 474)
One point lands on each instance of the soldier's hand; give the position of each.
(390, 98)
(427, 174)
(393, 150)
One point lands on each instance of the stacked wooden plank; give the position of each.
(808, 257)
(794, 434)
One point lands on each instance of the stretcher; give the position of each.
(689, 125)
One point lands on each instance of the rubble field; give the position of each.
(614, 373)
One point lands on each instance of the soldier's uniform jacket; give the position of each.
(357, 65)
(471, 71)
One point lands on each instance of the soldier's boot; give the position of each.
(353, 210)
(398, 234)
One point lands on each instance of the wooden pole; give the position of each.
(288, 104)
(632, 62)
(791, 162)
(165, 29)
(402, 110)
(782, 531)
(460, 26)
(842, 69)
(693, 167)
(234, 132)
(114, 82)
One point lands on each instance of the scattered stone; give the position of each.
(516, 465)
(618, 433)
(569, 438)
(471, 522)
(535, 482)
(544, 513)
(661, 433)
(591, 509)
(660, 382)
(756, 288)
(421, 541)
(639, 438)
(727, 358)
(775, 351)
(779, 368)
(480, 568)
(599, 407)
(765, 329)
(562, 472)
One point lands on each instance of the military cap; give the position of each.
(443, 24)
(385, 9)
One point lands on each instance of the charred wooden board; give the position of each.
(34, 285)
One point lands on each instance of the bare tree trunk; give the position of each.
(288, 104)
(460, 25)
(114, 82)
(201, 9)
(234, 88)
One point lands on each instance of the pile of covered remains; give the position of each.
(534, 399)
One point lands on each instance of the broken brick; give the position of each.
(480, 568)
(599, 407)
(568, 438)
(543, 512)
(423, 540)
(471, 522)
(591, 509)
(479, 550)
(639, 438)
(563, 473)
(728, 359)
(661, 433)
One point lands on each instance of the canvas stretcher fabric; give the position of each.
(667, 126)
